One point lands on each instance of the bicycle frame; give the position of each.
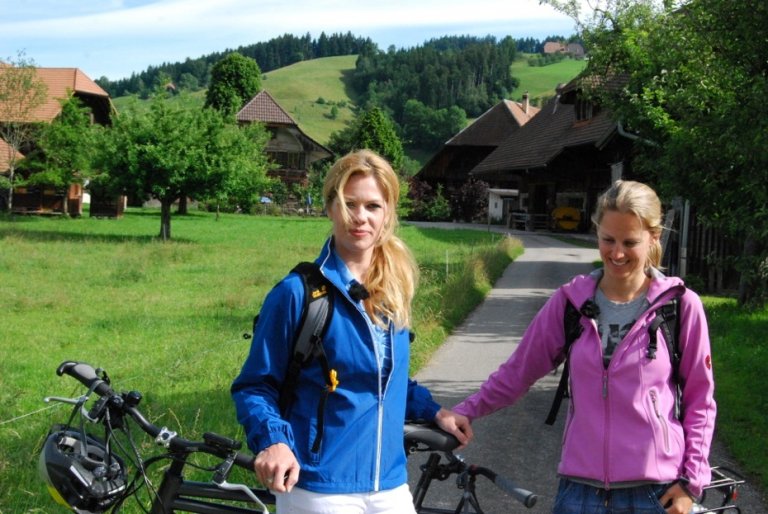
(175, 493)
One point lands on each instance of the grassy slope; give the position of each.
(541, 81)
(298, 87)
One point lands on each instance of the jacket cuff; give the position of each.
(691, 490)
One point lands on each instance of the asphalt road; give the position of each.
(515, 442)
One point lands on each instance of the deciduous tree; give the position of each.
(21, 92)
(696, 88)
(234, 80)
(172, 151)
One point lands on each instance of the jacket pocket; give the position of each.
(660, 420)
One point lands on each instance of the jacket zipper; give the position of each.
(380, 407)
(606, 444)
(662, 422)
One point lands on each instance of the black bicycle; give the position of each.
(421, 437)
(88, 473)
(720, 496)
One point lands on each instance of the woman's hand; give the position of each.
(277, 468)
(456, 425)
(676, 500)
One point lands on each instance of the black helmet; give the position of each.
(79, 471)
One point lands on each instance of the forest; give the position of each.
(468, 72)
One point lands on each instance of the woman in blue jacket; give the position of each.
(353, 459)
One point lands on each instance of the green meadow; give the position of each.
(168, 319)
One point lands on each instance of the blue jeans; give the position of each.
(575, 498)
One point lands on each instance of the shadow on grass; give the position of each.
(55, 236)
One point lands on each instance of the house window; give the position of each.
(289, 160)
(584, 110)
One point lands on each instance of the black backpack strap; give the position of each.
(572, 330)
(307, 344)
(667, 320)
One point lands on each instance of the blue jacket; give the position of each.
(362, 446)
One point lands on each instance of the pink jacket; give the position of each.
(621, 426)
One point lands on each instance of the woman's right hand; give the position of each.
(277, 468)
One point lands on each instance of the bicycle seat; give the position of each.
(430, 435)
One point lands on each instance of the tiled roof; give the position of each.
(494, 125)
(59, 81)
(265, 109)
(5, 156)
(550, 132)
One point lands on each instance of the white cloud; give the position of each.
(103, 36)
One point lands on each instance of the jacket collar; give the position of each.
(662, 288)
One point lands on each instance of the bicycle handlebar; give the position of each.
(213, 444)
(524, 496)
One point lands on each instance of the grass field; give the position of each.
(168, 319)
(541, 81)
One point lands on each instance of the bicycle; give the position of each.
(101, 484)
(423, 437)
(720, 496)
(86, 473)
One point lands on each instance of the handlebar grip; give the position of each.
(524, 496)
(245, 461)
(86, 375)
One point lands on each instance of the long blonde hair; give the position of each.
(392, 275)
(627, 196)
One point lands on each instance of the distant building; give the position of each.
(556, 47)
(289, 147)
(451, 165)
(60, 83)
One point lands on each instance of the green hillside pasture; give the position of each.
(541, 81)
(740, 361)
(167, 319)
(298, 87)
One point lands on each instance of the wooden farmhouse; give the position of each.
(289, 148)
(451, 165)
(60, 83)
(559, 162)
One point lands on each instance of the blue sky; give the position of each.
(115, 38)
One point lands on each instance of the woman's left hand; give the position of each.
(676, 500)
(455, 424)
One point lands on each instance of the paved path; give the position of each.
(515, 442)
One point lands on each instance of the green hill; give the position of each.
(541, 81)
(309, 90)
(298, 87)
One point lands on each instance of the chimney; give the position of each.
(525, 102)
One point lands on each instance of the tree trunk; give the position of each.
(10, 188)
(183, 207)
(165, 219)
(748, 277)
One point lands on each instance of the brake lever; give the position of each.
(244, 489)
(72, 401)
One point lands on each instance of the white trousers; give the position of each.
(301, 501)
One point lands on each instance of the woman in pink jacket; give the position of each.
(625, 449)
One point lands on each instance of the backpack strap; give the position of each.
(667, 320)
(308, 340)
(572, 330)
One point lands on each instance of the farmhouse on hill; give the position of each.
(60, 83)
(289, 147)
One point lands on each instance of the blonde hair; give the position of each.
(392, 275)
(636, 198)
